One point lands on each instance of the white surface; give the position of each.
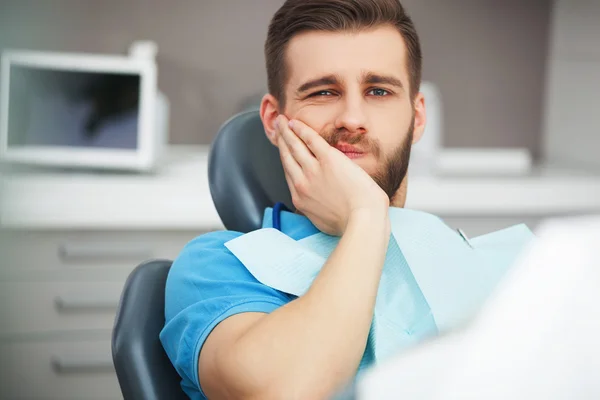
(488, 161)
(153, 112)
(546, 191)
(537, 338)
(535, 195)
(178, 196)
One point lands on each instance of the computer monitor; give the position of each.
(81, 110)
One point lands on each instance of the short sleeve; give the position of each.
(207, 284)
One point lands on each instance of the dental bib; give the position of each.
(434, 278)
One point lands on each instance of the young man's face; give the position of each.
(353, 89)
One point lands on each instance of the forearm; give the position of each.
(314, 344)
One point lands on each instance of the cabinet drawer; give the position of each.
(57, 370)
(34, 307)
(61, 250)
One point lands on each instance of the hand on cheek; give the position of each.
(325, 185)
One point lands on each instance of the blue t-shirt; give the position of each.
(207, 284)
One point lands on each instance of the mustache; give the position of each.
(333, 136)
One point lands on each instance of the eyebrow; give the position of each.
(372, 79)
(322, 81)
(367, 78)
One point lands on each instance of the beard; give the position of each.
(390, 175)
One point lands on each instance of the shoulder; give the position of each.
(206, 271)
(205, 250)
(210, 241)
(204, 257)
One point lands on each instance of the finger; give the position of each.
(292, 169)
(315, 143)
(296, 146)
(280, 121)
(293, 191)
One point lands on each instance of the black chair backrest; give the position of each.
(143, 368)
(245, 177)
(245, 173)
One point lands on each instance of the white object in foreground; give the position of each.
(537, 337)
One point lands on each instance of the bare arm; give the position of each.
(313, 345)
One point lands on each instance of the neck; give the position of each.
(399, 198)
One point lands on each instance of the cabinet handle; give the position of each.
(67, 365)
(71, 251)
(81, 304)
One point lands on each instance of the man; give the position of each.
(344, 109)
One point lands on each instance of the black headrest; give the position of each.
(245, 173)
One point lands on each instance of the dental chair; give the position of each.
(245, 177)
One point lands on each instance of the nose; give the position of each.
(352, 117)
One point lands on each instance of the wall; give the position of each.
(572, 123)
(487, 56)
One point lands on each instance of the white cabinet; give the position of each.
(59, 292)
(37, 307)
(57, 368)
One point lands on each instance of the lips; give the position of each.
(350, 151)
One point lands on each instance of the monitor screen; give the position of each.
(52, 107)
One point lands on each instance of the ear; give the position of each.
(269, 110)
(420, 117)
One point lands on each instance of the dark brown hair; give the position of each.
(296, 16)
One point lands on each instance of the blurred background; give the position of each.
(518, 82)
(489, 59)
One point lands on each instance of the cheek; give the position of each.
(389, 137)
(318, 118)
(391, 127)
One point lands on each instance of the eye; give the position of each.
(321, 93)
(379, 92)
